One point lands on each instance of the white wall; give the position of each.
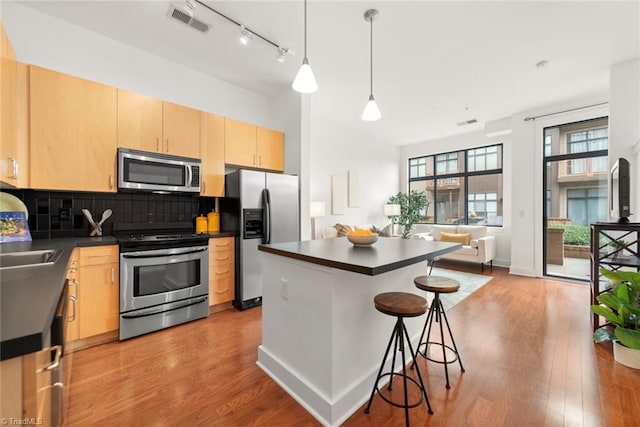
(55, 44)
(334, 151)
(470, 140)
(624, 125)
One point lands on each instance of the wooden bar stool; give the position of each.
(400, 305)
(438, 285)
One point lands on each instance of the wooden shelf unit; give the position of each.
(603, 255)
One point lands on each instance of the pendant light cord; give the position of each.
(305, 28)
(371, 56)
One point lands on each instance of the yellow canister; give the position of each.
(214, 222)
(201, 224)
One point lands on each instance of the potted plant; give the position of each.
(618, 246)
(620, 306)
(410, 206)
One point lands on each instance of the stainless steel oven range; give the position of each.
(164, 276)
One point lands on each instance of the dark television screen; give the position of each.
(619, 183)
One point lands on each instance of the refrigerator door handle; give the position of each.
(266, 216)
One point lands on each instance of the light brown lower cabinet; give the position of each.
(98, 291)
(27, 390)
(221, 270)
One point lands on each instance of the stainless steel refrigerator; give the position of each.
(260, 207)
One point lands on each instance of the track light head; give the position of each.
(190, 7)
(245, 35)
(282, 51)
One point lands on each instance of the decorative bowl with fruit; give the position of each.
(362, 237)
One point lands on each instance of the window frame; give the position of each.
(464, 175)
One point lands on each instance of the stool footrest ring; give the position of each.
(442, 362)
(389, 401)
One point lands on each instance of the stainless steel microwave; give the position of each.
(156, 172)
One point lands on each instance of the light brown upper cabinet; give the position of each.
(149, 124)
(212, 154)
(239, 143)
(253, 146)
(73, 133)
(13, 117)
(270, 149)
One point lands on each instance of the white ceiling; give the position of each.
(435, 63)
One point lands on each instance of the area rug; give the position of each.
(469, 283)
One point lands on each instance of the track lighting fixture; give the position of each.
(185, 14)
(245, 35)
(371, 111)
(305, 82)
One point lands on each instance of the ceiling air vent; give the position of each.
(180, 15)
(467, 122)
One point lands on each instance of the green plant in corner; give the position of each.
(617, 246)
(620, 306)
(410, 206)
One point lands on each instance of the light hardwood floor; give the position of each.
(525, 343)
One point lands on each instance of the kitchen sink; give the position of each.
(29, 258)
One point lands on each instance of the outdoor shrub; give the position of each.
(579, 235)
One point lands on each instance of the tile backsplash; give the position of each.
(55, 214)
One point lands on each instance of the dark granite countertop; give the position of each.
(29, 296)
(385, 255)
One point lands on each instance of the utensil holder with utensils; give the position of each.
(96, 229)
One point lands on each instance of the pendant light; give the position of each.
(304, 81)
(371, 111)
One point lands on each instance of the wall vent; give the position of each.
(180, 15)
(467, 122)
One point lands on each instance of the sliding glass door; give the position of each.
(575, 191)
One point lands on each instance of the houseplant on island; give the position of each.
(620, 306)
(410, 206)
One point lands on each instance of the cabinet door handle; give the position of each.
(221, 273)
(60, 386)
(254, 160)
(204, 187)
(157, 144)
(222, 291)
(113, 275)
(56, 359)
(260, 160)
(167, 148)
(111, 182)
(14, 168)
(222, 259)
(222, 246)
(74, 300)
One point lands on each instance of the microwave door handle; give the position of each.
(266, 216)
(189, 176)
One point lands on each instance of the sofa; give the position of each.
(476, 245)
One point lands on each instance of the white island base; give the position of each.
(322, 338)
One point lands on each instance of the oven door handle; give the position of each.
(164, 252)
(163, 308)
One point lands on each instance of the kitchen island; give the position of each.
(322, 338)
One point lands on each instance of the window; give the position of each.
(588, 140)
(421, 167)
(462, 187)
(449, 163)
(482, 159)
(586, 205)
